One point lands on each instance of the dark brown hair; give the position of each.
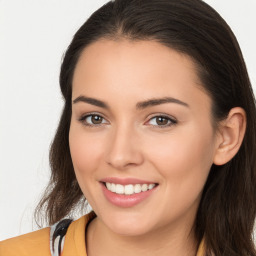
(227, 209)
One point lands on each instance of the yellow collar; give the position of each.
(75, 238)
(201, 249)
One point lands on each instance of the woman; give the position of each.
(157, 133)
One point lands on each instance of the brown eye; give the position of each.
(96, 119)
(160, 120)
(92, 120)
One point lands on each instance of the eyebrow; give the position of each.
(91, 101)
(155, 102)
(139, 105)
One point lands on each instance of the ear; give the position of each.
(230, 136)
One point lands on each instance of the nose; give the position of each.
(124, 149)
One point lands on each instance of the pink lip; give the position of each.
(126, 201)
(125, 181)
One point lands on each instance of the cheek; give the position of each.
(183, 160)
(86, 152)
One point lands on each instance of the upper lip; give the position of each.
(126, 181)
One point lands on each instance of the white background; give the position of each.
(33, 37)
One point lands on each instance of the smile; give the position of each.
(129, 189)
(127, 192)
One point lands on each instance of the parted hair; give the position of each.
(226, 213)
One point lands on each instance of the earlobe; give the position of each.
(231, 134)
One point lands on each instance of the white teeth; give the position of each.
(137, 188)
(113, 187)
(108, 186)
(150, 186)
(129, 189)
(119, 189)
(144, 187)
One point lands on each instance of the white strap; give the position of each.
(55, 243)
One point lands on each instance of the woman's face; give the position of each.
(140, 116)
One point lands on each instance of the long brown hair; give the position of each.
(227, 209)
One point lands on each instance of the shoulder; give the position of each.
(34, 243)
(75, 238)
(38, 242)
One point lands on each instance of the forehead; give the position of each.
(135, 69)
(126, 56)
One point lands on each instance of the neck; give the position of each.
(175, 241)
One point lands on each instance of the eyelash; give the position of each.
(83, 118)
(171, 121)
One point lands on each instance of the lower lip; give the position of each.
(126, 201)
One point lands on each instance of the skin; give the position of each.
(130, 143)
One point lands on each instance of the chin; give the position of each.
(128, 225)
(129, 230)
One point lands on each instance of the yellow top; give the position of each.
(38, 242)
